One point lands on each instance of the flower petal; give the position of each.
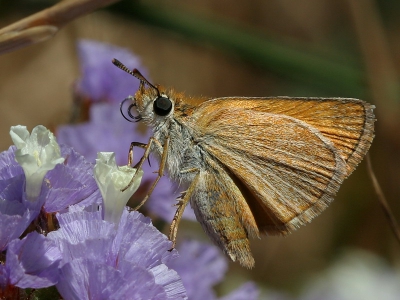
(71, 183)
(14, 219)
(141, 243)
(33, 261)
(83, 235)
(89, 279)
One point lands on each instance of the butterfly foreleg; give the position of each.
(130, 153)
(140, 163)
(160, 170)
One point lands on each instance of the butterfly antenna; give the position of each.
(135, 73)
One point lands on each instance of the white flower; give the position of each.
(111, 180)
(37, 153)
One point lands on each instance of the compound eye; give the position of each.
(162, 106)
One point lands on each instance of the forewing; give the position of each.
(286, 169)
(347, 123)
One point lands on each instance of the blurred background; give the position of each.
(324, 48)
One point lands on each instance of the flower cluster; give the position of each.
(86, 252)
(39, 177)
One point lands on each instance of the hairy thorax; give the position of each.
(184, 159)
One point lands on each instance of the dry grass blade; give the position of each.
(10, 41)
(382, 200)
(45, 24)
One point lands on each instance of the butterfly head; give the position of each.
(153, 103)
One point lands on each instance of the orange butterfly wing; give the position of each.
(288, 156)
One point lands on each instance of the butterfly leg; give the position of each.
(160, 173)
(147, 148)
(145, 156)
(182, 202)
(130, 153)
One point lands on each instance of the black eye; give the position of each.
(162, 106)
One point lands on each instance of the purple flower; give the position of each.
(101, 80)
(102, 261)
(16, 213)
(201, 266)
(87, 279)
(32, 262)
(113, 254)
(88, 257)
(70, 183)
(14, 216)
(67, 183)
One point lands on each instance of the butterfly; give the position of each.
(252, 165)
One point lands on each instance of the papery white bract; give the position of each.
(37, 153)
(111, 180)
